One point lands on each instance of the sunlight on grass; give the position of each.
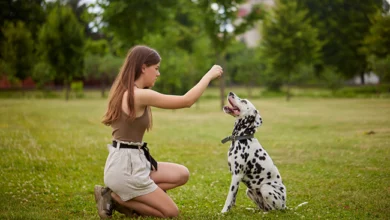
(332, 153)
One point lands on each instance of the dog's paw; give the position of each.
(224, 210)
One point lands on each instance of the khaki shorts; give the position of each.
(127, 173)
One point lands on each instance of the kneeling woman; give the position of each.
(135, 182)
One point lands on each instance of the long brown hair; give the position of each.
(129, 72)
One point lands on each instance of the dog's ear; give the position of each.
(258, 120)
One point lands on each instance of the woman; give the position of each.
(134, 180)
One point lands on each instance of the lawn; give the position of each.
(332, 153)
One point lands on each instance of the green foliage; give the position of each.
(289, 44)
(97, 47)
(16, 52)
(184, 51)
(381, 66)
(342, 26)
(130, 21)
(243, 64)
(332, 78)
(30, 12)
(62, 43)
(377, 42)
(76, 88)
(42, 74)
(110, 65)
(377, 46)
(103, 68)
(175, 67)
(201, 58)
(216, 15)
(91, 66)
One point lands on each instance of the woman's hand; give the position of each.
(214, 72)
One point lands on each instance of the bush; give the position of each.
(77, 89)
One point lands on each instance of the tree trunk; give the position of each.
(362, 78)
(103, 86)
(222, 80)
(288, 92)
(67, 90)
(288, 95)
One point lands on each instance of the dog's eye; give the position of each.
(243, 101)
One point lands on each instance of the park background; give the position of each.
(318, 72)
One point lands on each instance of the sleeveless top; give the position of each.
(130, 131)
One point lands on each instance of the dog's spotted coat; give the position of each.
(250, 163)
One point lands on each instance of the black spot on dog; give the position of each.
(260, 180)
(246, 156)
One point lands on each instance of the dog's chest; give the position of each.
(248, 157)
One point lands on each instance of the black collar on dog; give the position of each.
(236, 138)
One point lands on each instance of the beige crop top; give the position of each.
(130, 131)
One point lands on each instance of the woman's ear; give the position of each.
(143, 68)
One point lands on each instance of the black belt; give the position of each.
(144, 147)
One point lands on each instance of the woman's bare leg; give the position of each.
(170, 175)
(158, 203)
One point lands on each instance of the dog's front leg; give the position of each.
(231, 198)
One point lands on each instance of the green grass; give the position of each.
(332, 153)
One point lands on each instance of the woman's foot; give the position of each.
(103, 201)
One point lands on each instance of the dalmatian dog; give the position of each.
(249, 162)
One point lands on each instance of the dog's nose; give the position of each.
(231, 94)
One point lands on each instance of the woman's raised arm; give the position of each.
(148, 97)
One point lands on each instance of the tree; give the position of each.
(216, 16)
(175, 65)
(377, 46)
(244, 65)
(342, 26)
(30, 12)
(377, 42)
(17, 50)
(289, 43)
(104, 68)
(130, 21)
(42, 74)
(62, 44)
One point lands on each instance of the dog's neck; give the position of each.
(244, 126)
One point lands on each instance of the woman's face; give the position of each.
(151, 73)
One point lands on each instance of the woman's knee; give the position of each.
(184, 174)
(171, 212)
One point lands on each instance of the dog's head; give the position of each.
(247, 116)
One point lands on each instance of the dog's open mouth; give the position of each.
(232, 110)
